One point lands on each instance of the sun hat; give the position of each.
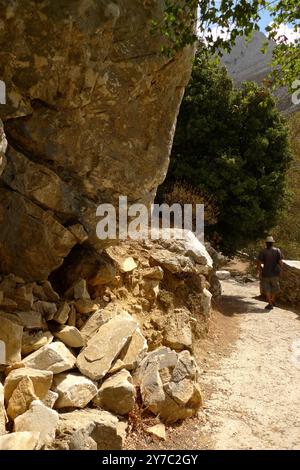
(270, 239)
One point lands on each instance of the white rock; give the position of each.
(20, 441)
(127, 265)
(159, 430)
(135, 351)
(70, 336)
(73, 390)
(39, 418)
(183, 242)
(117, 393)
(104, 347)
(54, 357)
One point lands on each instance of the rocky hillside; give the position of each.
(246, 62)
(90, 331)
(75, 367)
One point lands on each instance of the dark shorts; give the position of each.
(270, 285)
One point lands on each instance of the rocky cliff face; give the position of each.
(246, 62)
(90, 115)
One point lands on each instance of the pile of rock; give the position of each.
(72, 364)
(290, 282)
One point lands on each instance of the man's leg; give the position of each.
(269, 297)
(275, 289)
(267, 287)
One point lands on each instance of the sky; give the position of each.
(285, 30)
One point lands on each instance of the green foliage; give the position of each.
(187, 21)
(233, 144)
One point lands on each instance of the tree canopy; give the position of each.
(187, 21)
(232, 144)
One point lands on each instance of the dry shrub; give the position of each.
(183, 193)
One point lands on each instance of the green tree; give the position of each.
(187, 21)
(232, 144)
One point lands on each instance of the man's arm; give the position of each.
(258, 267)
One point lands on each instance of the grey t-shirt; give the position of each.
(270, 258)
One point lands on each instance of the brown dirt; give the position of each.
(250, 376)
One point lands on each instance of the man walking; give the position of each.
(271, 259)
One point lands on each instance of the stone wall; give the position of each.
(290, 283)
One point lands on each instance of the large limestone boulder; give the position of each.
(39, 229)
(117, 393)
(104, 347)
(90, 429)
(79, 125)
(169, 384)
(54, 357)
(74, 390)
(23, 440)
(39, 418)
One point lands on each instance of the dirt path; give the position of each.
(255, 397)
(249, 377)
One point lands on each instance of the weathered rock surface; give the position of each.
(73, 390)
(39, 230)
(39, 418)
(117, 393)
(77, 428)
(54, 357)
(34, 340)
(23, 440)
(41, 380)
(50, 399)
(103, 348)
(179, 250)
(169, 384)
(134, 351)
(206, 302)
(61, 106)
(178, 333)
(21, 398)
(70, 336)
(62, 314)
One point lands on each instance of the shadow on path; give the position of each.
(231, 305)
